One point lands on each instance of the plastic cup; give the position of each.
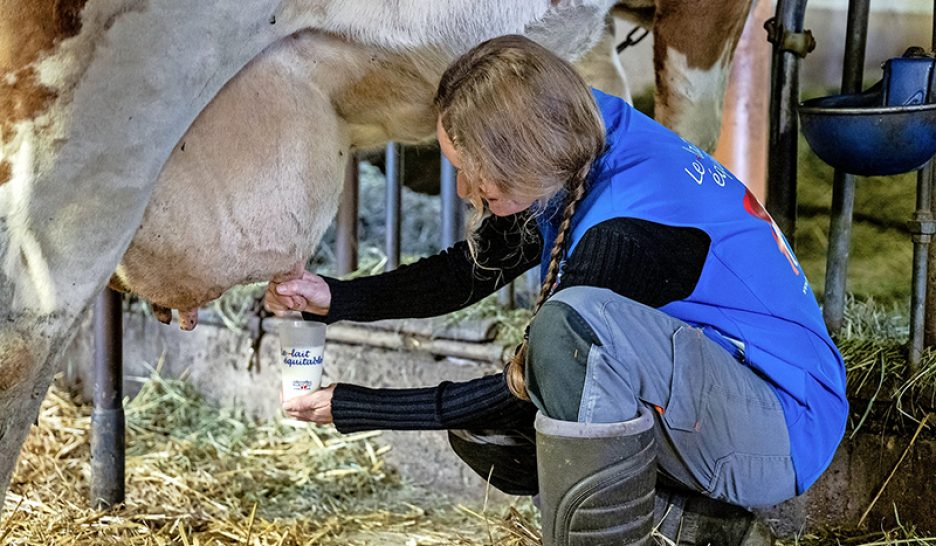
(302, 352)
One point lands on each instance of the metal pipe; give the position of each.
(346, 232)
(922, 227)
(933, 39)
(107, 415)
(929, 319)
(742, 144)
(843, 184)
(393, 170)
(506, 296)
(840, 224)
(856, 38)
(451, 205)
(784, 129)
(534, 284)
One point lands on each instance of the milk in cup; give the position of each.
(302, 351)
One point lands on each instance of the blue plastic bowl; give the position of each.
(855, 134)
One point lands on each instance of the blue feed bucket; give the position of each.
(855, 134)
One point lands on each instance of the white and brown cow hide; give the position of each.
(200, 145)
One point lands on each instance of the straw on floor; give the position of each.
(200, 475)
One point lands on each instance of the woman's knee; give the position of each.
(557, 359)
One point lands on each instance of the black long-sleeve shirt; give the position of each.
(648, 262)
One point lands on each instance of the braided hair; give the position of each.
(516, 366)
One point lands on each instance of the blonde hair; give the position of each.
(521, 119)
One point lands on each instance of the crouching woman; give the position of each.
(676, 359)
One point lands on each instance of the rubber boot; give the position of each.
(691, 519)
(596, 481)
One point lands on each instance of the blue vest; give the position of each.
(752, 289)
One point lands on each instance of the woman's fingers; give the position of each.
(273, 302)
(279, 304)
(310, 293)
(314, 407)
(319, 416)
(297, 303)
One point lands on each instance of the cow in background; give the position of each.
(693, 46)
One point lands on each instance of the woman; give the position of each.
(675, 333)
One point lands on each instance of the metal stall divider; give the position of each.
(843, 184)
(824, 117)
(452, 217)
(107, 414)
(393, 171)
(790, 44)
(346, 230)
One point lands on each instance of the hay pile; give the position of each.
(901, 535)
(199, 475)
(883, 389)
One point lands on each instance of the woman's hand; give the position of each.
(308, 293)
(314, 407)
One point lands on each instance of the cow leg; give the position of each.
(27, 363)
(601, 67)
(693, 46)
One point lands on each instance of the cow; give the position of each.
(200, 145)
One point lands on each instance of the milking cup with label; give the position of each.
(302, 351)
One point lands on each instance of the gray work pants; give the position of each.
(595, 355)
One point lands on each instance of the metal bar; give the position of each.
(451, 205)
(840, 224)
(929, 319)
(922, 229)
(507, 296)
(843, 184)
(784, 129)
(393, 170)
(346, 233)
(534, 284)
(107, 415)
(933, 40)
(856, 38)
